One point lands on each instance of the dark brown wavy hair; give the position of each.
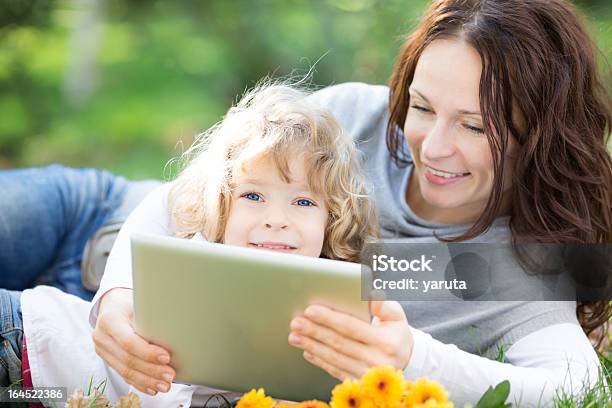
(538, 59)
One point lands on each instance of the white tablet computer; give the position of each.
(223, 312)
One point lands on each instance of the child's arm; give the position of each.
(346, 346)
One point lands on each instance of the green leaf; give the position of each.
(495, 397)
(89, 386)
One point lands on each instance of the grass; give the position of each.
(597, 395)
(590, 396)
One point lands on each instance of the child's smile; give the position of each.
(273, 246)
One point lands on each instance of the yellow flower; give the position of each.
(432, 403)
(283, 404)
(311, 404)
(384, 385)
(425, 393)
(255, 399)
(350, 394)
(408, 387)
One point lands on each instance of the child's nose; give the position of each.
(276, 220)
(276, 225)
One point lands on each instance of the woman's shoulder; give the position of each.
(351, 91)
(349, 98)
(360, 108)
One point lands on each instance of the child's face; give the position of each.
(268, 213)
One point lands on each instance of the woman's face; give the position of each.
(453, 173)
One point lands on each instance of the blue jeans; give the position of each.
(47, 215)
(11, 335)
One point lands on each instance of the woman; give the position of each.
(494, 128)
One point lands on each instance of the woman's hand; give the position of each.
(141, 364)
(346, 346)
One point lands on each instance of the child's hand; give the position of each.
(141, 364)
(346, 346)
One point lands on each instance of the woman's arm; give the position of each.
(558, 356)
(553, 358)
(140, 363)
(150, 217)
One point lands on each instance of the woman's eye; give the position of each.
(304, 202)
(420, 108)
(474, 129)
(252, 196)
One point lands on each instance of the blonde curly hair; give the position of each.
(275, 121)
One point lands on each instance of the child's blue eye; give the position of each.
(304, 202)
(252, 196)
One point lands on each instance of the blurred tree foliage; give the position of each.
(120, 84)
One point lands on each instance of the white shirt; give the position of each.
(59, 343)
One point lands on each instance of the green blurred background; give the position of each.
(126, 84)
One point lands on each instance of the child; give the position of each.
(275, 174)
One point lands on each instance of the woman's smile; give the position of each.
(443, 178)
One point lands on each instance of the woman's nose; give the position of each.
(438, 142)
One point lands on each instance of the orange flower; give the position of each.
(350, 394)
(384, 385)
(425, 393)
(255, 399)
(311, 404)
